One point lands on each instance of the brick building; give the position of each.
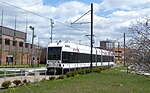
(118, 50)
(108, 45)
(14, 49)
(119, 54)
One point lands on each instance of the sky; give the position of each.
(110, 18)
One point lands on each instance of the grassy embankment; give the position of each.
(109, 81)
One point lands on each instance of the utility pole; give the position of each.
(14, 39)
(1, 33)
(39, 52)
(91, 30)
(26, 29)
(52, 26)
(124, 50)
(125, 63)
(91, 58)
(118, 52)
(32, 60)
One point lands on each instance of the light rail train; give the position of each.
(69, 56)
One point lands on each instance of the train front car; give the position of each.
(54, 52)
(63, 57)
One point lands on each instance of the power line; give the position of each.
(37, 14)
(24, 10)
(68, 25)
(46, 17)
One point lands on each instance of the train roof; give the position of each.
(72, 47)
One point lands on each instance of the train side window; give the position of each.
(66, 57)
(73, 57)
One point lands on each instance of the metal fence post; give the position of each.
(62, 71)
(4, 74)
(21, 74)
(25, 72)
(45, 73)
(69, 67)
(15, 70)
(54, 71)
(34, 74)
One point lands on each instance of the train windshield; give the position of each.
(54, 53)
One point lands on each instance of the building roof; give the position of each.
(12, 32)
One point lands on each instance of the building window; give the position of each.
(118, 56)
(118, 51)
(7, 41)
(0, 40)
(31, 45)
(20, 44)
(26, 45)
(14, 43)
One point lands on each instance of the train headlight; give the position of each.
(60, 65)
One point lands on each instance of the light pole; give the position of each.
(32, 60)
(52, 26)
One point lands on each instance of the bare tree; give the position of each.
(138, 48)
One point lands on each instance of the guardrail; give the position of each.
(30, 74)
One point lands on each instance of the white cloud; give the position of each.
(124, 4)
(116, 15)
(24, 3)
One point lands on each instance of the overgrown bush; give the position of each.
(61, 77)
(97, 70)
(88, 70)
(17, 82)
(6, 84)
(52, 78)
(104, 67)
(70, 74)
(75, 72)
(81, 72)
(43, 79)
(28, 82)
(24, 81)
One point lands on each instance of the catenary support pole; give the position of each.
(124, 51)
(91, 58)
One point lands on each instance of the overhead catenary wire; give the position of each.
(56, 21)
(81, 17)
(38, 15)
(24, 9)
(69, 26)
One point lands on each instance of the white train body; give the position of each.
(70, 56)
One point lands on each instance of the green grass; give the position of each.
(109, 81)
